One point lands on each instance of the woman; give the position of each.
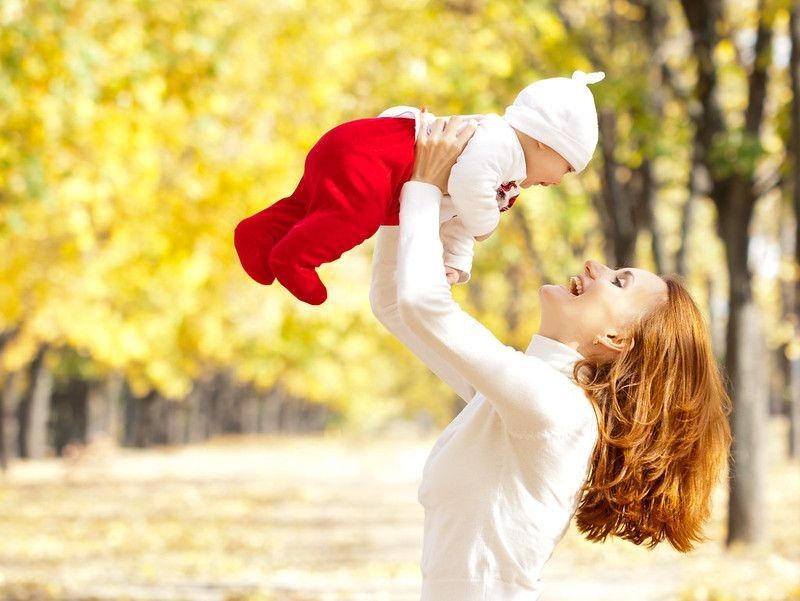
(615, 411)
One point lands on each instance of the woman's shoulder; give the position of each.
(571, 411)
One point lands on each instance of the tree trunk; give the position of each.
(788, 383)
(216, 404)
(9, 418)
(734, 197)
(514, 310)
(746, 519)
(199, 411)
(794, 150)
(626, 202)
(103, 408)
(270, 411)
(248, 411)
(68, 414)
(129, 415)
(654, 26)
(477, 296)
(139, 431)
(174, 413)
(228, 413)
(615, 208)
(3, 453)
(794, 408)
(774, 361)
(36, 410)
(744, 362)
(538, 265)
(696, 187)
(290, 416)
(648, 199)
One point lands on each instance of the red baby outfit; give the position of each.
(350, 187)
(354, 173)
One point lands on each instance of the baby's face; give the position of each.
(545, 166)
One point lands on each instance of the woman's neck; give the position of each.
(571, 340)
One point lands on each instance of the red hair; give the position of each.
(664, 437)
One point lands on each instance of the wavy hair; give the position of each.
(662, 412)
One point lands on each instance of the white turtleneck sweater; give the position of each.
(503, 480)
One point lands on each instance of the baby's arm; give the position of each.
(458, 250)
(474, 180)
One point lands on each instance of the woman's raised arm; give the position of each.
(530, 396)
(383, 300)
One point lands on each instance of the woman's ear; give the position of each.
(615, 343)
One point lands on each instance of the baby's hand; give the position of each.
(452, 275)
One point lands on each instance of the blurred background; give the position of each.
(172, 430)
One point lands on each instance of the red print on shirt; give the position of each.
(503, 191)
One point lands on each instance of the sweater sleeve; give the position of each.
(474, 180)
(383, 300)
(458, 247)
(527, 393)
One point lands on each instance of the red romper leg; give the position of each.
(348, 204)
(256, 235)
(349, 187)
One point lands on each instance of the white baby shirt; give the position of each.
(483, 183)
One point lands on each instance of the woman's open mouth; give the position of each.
(575, 285)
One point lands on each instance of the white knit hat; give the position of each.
(559, 112)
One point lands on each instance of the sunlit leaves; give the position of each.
(134, 135)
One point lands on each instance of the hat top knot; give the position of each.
(588, 78)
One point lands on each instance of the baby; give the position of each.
(353, 175)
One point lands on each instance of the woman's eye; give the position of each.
(617, 282)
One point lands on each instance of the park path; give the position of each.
(310, 519)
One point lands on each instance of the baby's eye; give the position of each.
(617, 282)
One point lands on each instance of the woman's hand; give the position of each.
(436, 152)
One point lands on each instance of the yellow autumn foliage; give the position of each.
(135, 134)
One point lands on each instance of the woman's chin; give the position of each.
(554, 291)
(557, 301)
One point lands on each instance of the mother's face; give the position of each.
(599, 305)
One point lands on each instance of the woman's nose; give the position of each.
(594, 268)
